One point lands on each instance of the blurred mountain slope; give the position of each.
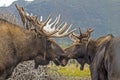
(103, 15)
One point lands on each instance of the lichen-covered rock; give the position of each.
(26, 71)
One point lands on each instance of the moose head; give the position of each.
(45, 31)
(77, 50)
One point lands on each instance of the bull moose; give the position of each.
(18, 44)
(102, 54)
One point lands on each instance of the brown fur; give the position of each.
(17, 45)
(100, 54)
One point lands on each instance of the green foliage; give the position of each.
(74, 71)
(70, 71)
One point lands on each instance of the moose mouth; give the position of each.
(82, 62)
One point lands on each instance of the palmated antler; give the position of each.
(47, 28)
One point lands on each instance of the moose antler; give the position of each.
(46, 28)
(50, 30)
(81, 36)
(24, 17)
(73, 37)
(22, 13)
(88, 32)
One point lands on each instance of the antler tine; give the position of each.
(88, 32)
(59, 26)
(91, 30)
(76, 35)
(21, 12)
(52, 33)
(80, 31)
(41, 18)
(52, 26)
(63, 28)
(48, 27)
(45, 22)
(55, 22)
(83, 36)
(42, 28)
(70, 31)
(72, 38)
(49, 33)
(48, 23)
(56, 32)
(64, 34)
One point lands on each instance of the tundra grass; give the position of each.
(73, 71)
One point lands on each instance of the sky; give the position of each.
(8, 2)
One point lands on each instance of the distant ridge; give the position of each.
(103, 15)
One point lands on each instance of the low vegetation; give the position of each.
(74, 71)
(71, 70)
(26, 71)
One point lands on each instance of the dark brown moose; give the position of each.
(102, 54)
(47, 30)
(18, 44)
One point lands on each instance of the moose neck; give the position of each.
(94, 45)
(25, 42)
